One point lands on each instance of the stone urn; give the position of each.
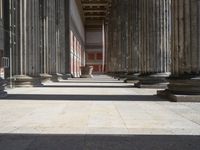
(86, 72)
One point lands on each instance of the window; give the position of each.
(99, 56)
(91, 56)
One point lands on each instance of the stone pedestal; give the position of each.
(158, 81)
(122, 75)
(66, 76)
(184, 83)
(3, 94)
(56, 77)
(190, 86)
(132, 77)
(23, 81)
(45, 77)
(182, 90)
(86, 72)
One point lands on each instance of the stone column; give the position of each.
(20, 77)
(154, 43)
(53, 42)
(51, 48)
(44, 76)
(112, 50)
(133, 41)
(59, 51)
(185, 79)
(118, 42)
(62, 36)
(32, 52)
(2, 38)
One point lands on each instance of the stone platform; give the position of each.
(99, 113)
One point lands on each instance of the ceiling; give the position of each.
(95, 11)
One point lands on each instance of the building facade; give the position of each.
(155, 42)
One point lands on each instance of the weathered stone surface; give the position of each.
(178, 97)
(22, 81)
(116, 119)
(184, 81)
(132, 77)
(56, 77)
(45, 77)
(158, 80)
(38, 37)
(154, 42)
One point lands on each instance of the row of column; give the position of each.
(37, 39)
(143, 38)
(163, 40)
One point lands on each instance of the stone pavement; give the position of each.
(96, 114)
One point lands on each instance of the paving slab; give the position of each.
(78, 109)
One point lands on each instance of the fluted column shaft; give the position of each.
(154, 42)
(25, 36)
(185, 47)
(185, 37)
(37, 38)
(118, 52)
(112, 39)
(155, 36)
(133, 36)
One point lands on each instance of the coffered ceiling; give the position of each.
(95, 11)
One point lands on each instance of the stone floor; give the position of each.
(96, 114)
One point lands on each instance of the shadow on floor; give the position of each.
(87, 86)
(84, 97)
(103, 82)
(98, 142)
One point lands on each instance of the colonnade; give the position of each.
(156, 42)
(38, 40)
(163, 45)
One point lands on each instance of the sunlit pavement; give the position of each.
(100, 113)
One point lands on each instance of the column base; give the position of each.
(86, 76)
(3, 94)
(66, 76)
(190, 86)
(178, 98)
(132, 78)
(182, 90)
(44, 77)
(56, 77)
(157, 81)
(23, 81)
(112, 74)
(122, 75)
